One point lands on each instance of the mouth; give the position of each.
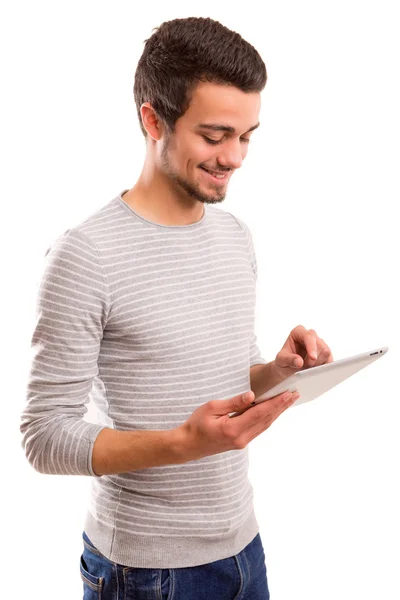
(215, 176)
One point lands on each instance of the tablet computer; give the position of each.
(315, 381)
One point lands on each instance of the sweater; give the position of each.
(147, 322)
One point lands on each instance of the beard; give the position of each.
(193, 190)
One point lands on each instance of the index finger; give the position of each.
(310, 343)
(307, 338)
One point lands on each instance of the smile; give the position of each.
(215, 176)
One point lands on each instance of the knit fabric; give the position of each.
(147, 322)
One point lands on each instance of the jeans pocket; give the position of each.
(92, 585)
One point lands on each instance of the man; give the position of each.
(147, 307)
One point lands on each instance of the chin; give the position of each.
(197, 191)
(213, 200)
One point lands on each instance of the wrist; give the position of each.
(264, 377)
(278, 374)
(178, 444)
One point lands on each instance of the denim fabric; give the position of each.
(239, 577)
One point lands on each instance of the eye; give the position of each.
(214, 142)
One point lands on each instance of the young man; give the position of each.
(147, 307)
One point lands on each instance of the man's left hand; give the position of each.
(303, 349)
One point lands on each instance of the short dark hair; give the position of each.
(183, 52)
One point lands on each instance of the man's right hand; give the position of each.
(210, 430)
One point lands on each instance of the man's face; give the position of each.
(192, 148)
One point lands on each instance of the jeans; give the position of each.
(239, 577)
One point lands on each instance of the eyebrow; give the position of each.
(215, 127)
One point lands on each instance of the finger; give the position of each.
(327, 353)
(265, 420)
(308, 339)
(311, 343)
(263, 410)
(324, 354)
(298, 362)
(285, 358)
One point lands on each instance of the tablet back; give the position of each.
(315, 381)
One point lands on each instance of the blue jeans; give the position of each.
(239, 577)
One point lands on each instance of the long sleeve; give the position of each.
(166, 329)
(71, 312)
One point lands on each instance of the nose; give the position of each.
(231, 155)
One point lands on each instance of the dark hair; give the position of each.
(183, 52)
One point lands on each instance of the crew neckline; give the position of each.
(190, 225)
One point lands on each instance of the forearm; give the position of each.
(122, 451)
(263, 378)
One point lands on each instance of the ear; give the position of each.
(151, 122)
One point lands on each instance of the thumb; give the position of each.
(236, 403)
(287, 359)
(242, 402)
(296, 361)
(247, 397)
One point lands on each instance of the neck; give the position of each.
(158, 198)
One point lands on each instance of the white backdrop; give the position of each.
(319, 191)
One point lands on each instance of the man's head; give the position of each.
(195, 72)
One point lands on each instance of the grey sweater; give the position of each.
(148, 322)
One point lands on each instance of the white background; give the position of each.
(320, 193)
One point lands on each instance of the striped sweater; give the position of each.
(148, 322)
